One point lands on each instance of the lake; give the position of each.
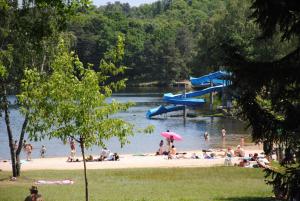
(191, 130)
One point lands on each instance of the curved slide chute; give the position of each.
(182, 100)
(163, 109)
(218, 78)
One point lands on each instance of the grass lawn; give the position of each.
(174, 184)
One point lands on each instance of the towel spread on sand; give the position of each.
(61, 182)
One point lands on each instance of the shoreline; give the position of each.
(127, 161)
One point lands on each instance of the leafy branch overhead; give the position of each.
(71, 103)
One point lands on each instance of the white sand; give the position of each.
(126, 161)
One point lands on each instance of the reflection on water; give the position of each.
(145, 98)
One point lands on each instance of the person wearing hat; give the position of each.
(34, 196)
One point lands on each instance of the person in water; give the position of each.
(206, 135)
(223, 132)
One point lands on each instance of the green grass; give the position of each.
(174, 184)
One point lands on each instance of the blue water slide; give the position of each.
(215, 77)
(182, 100)
(196, 82)
(163, 109)
(189, 95)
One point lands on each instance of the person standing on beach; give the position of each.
(43, 151)
(223, 132)
(24, 146)
(161, 147)
(242, 143)
(16, 145)
(28, 149)
(171, 142)
(73, 149)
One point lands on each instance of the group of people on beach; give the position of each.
(105, 155)
(206, 135)
(168, 149)
(252, 160)
(239, 153)
(28, 149)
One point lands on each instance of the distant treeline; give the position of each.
(170, 40)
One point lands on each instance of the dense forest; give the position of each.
(170, 40)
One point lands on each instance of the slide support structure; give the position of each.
(211, 105)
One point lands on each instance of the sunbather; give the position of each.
(244, 163)
(228, 156)
(254, 157)
(89, 158)
(104, 154)
(239, 152)
(113, 157)
(172, 153)
(161, 148)
(205, 155)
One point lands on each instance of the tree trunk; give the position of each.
(84, 165)
(9, 133)
(20, 145)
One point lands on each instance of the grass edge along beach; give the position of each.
(205, 184)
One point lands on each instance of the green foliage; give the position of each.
(71, 103)
(268, 86)
(160, 38)
(29, 33)
(275, 16)
(6, 61)
(172, 40)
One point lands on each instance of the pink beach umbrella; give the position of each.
(169, 134)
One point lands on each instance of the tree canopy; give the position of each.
(268, 91)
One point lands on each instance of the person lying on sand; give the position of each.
(113, 157)
(89, 158)
(244, 163)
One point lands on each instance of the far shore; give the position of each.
(128, 161)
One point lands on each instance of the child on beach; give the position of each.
(223, 131)
(16, 145)
(242, 143)
(161, 148)
(43, 151)
(71, 158)
(28, 149)
(228, 156)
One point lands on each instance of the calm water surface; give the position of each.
(145, 98)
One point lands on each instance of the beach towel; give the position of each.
(60, 182)
(139, 154)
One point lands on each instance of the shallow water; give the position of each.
(145, 98)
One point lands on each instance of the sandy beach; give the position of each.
(126, 161)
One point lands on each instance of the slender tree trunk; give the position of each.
(43, 63)
(84, 165)
(9, 133)
(20, 145)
